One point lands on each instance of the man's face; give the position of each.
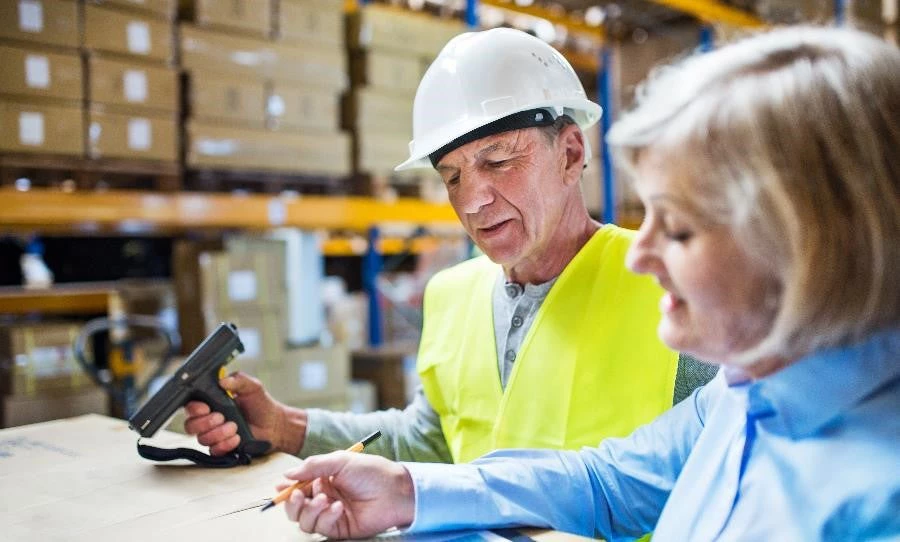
(508, 192)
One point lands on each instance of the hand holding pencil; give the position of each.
(352, 496)
(285, 493)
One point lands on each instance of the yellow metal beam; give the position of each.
(712, 11)
(42, 208)
(573, 25)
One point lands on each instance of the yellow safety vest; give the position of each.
(590, 367)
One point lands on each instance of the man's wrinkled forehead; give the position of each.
(511, 141)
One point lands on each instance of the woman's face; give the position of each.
(718, 301)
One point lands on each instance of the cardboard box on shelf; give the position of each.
(248, 274)
(320, 66)
(293, 107)
(166, 9)
(52, 22)
(123, 83)
(211, 146)
(386, 70)
(311, 21)
(378, 153)
(18, 411)
(247, 16)
(39, 72)
(41, 128)
(307, 374)
(380, 111)
(38, 359)
(386, 28)
(127, 33)
(188, 290)
(262, 333)
(362, 396)
(214, 97)
(391, 368)
(148, 137)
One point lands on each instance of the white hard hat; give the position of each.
(483, 83)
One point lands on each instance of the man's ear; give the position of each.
(572, 141)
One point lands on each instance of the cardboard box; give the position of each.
(214, 97)
(34, 71)
(379, 111)
(38, 358)
(41, 408)
(294, 107)
(386, 28)
(149, 137)
(206, 50)
(307, 374)
(262, 333)
(53, 22)
(121, 32)
(362, 397)
(386, 70)
(224, 147)
(246, 16)
(311, 21)
(379, 153)
(123, 83)
(391, 369)
(161, 8)
(188, 289)
(31, 127)
(249, 274)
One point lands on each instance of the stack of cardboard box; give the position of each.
(133, 90)
(245, 284)
(389, 51)
(264, 86)
(41, 88)
(39, 377)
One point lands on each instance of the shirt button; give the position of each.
(513, 289)
(510, 355)
(517, 321)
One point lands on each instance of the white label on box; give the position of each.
(49, 361)
(138, 38)
(140, 134)
(37, 71)
(277, 212)
(31, 16)
(31, 128)
(252, 343)
(313, 375)
(242, 286)
(135, 83)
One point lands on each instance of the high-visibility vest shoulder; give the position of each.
(591, 366)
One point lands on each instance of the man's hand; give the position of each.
(353, 496)
(283, 426)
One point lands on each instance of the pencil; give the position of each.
(286, 492)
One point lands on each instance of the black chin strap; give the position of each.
(243, 455)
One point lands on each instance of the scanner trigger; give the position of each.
(222, 374)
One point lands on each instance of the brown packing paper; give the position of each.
(82, 479)
(37, 71)
(40, 128)
(53, 22)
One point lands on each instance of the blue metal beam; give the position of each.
(472, 14)
(372, 265)
(605, 97)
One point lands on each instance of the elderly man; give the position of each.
(546, 341)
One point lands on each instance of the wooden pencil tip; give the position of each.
(270, 504)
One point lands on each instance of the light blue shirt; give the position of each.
(811, 452)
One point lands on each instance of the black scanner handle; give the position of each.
(220, 401)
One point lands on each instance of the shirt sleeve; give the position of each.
(615, 491)
(411, 434)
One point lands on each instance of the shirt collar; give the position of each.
(809, 393)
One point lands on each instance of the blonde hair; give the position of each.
(791, 139)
